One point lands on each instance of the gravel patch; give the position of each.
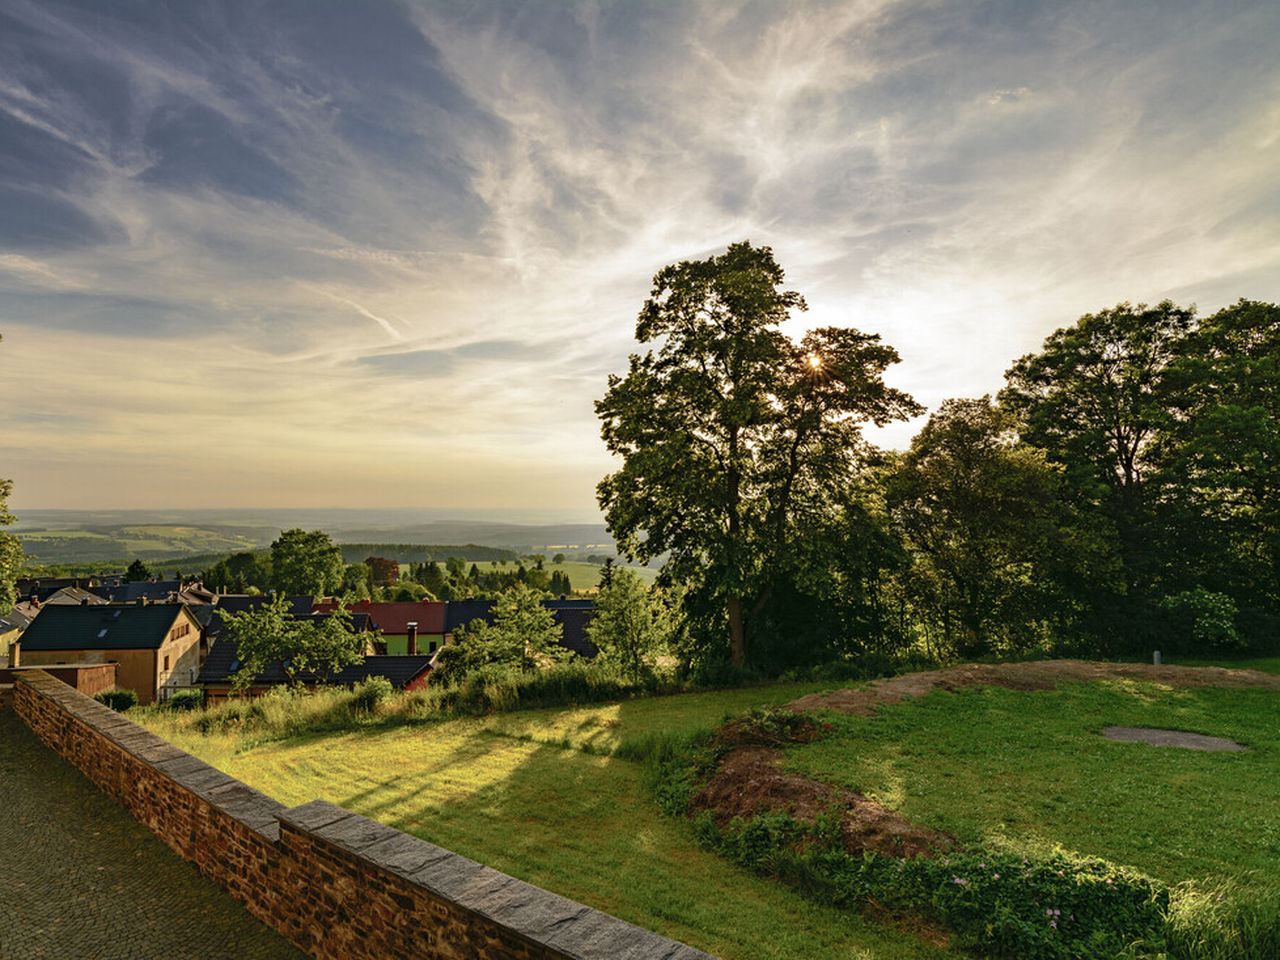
(1172, 738)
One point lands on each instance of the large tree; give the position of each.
(269, 635)
(307, 562)
(630, 626)
(729, 430)
(1220, 460)
(1095, 399)
(979, 514)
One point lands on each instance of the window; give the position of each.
(166, 662)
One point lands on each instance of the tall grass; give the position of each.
(1220, 921)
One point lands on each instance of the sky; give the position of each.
(380, 254)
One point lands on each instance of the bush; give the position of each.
(118, 700)
(185, 700)
(370, 692)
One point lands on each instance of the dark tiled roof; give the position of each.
(574, 620)
(458, 612)
(101, 627)
(131, 592)
(211, 617)
(223, 663)
(572, 615)
(394, 618)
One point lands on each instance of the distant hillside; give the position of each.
(420, 552)
(194, 539)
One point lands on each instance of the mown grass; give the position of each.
(535, 795)
(1030, 771)
(1265, 664)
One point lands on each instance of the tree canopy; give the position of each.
(729, 431)
(269, 635)
(306, 562)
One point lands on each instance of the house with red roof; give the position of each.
(407, 628)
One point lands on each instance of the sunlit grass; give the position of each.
(521, 793)
(1031, 770)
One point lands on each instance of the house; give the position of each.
(158, 646)
(211, 615)
(572, 615)
(42, 587)
(159, 591)
(220, 669)
(407, 628)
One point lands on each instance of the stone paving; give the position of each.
(80, 878)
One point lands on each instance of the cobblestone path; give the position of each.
(81, 879)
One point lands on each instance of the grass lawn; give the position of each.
(1265, 664)
(515, 792)
(1030, 770)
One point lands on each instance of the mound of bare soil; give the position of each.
(1036, 675)
(749, 781)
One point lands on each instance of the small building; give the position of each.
(158, 646)
(407, 629)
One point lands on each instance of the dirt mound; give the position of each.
(1036, 675)
(750, 782)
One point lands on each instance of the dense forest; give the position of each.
(1120, 494)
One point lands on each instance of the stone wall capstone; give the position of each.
(336, 884)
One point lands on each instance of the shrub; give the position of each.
(118, 700)
(185, 700)
(370, 692)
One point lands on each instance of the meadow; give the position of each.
(561, 798)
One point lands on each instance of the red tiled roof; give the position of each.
(393, 618)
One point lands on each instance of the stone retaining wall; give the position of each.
(89, 678)
(336, 884)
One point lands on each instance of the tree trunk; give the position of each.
(737, 636)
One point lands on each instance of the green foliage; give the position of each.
(523, 636)
(729, 431)
(1220, 921)
(981, 517)
(185, 700)
(269, 635)
(138, 572)
(370, 692)
(306, 563)
(631, 625)
(118, 700)
(1204, 621)
(239, 573)
(11, 557)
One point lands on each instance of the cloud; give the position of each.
(390, 251)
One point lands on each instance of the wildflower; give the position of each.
(1054, 924)
(995, 876)
(960, 881)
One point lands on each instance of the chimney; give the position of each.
(413, 638)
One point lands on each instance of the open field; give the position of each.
(120, 544)
(1029, 770)
(511, 792)
(548, 795)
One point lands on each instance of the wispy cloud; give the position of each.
(389, 252)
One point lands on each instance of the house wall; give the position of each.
(334, 883)
(141, 671)
(184, 657)
(136, 669)
(398, 643)
(89, 679)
